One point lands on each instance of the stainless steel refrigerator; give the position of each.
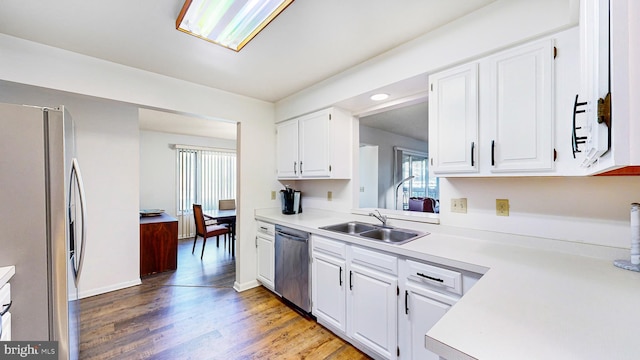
(42, 228)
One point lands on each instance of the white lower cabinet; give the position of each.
(328, 283)
(381, 304)
(265, 248)
(372, 301)
(328, 292)
(422, 306)
(354, 292)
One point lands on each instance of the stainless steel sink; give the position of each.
(376, 233)
(352, 227)
(390, 235)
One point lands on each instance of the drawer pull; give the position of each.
(406, 302)
(429, 277)
(340, 276)
(6, 308)
(350, 280)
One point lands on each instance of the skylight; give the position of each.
(230, 23)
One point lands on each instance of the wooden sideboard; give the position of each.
(158, 244)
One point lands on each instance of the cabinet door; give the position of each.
(421, 309)
(266, 260)
(520, 109)
(372, 316)
(314, 144)
(328, 291)
(287, 149)
(453, 120)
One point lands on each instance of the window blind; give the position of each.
(204, 177)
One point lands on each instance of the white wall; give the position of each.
(35, 64)
(494, 27)
(158, 166)
(591, 210)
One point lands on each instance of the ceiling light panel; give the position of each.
(230, 23)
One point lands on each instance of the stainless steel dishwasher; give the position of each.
(292, 267)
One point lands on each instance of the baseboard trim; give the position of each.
(109, 288)
(245, 286)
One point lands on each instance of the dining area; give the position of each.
(217, 222)
(160, 237)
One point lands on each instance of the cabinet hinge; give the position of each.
(329, 116)
(398, 290)
(604, 110)
(555, 52)
(329, 168)
(431, 87)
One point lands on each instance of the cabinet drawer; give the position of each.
(434, 276)
(265, 228)
(374, 260)
(329, 247)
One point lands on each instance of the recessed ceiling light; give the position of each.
(230, 23)
(379, 97)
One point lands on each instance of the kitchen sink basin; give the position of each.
(353, 227)
(390, 235)
(375, 233)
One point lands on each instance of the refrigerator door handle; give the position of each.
(77, 176)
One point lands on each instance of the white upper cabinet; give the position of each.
(453, 125)
(591, 135)
(520, 108)
(287, 149)
(610, 52)
(496, 116)
(315, 146)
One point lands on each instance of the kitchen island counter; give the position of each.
(531, 303)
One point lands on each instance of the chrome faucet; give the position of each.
(382, 218)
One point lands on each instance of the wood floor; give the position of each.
(194, 313)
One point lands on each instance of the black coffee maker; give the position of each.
(291, 201)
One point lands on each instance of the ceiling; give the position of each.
(309, 42)
(409, 120)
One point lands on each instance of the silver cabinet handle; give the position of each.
(77, 176)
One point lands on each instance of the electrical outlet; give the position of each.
(459, 205)
(329, 196)
(273, 195)
(502, 207)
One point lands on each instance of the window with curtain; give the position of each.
(204, 177)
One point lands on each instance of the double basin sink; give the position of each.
(375, 232)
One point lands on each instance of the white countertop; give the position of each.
(530, 303)
(6, 272)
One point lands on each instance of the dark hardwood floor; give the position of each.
(194, 313)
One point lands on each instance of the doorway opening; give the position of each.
(187, 159)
